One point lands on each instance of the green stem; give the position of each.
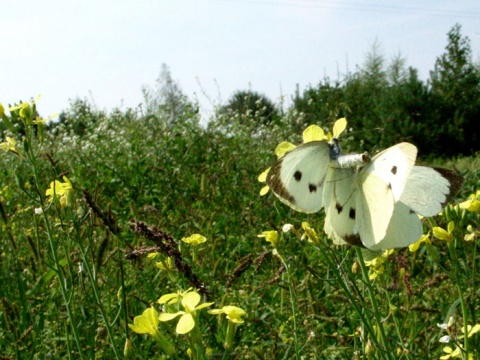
(373, 299)
(231, 330)
(51, 242)
(164, 343)
(454, 256)
(194, 255)
(474, 290)
(333, 264)
(195, 341)
(465, 320)
(293, 306)
(98, 300)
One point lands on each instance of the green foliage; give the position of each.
(456, 88)
(68, 288)
(81, 118)
(256, 108)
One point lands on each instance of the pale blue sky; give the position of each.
(107, 50)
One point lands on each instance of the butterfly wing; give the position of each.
(403, 229)
(380, 185)
(340, 206)
(298, 177)
(429, 189)
(426, 192)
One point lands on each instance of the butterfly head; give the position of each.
(335, 150)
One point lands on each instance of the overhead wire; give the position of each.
(364, 6)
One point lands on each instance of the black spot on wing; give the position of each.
(351, 214)
(297, 175)
(339, 208)
(394, 170)
(312, 188)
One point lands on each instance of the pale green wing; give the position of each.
(403, 229)
(381, 183)
(298, 177)
(429, 189)
(340, 206)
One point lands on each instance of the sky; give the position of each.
(107, 51)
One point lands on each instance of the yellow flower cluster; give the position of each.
(190, 301)
(60, 191)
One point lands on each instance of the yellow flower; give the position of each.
(39, 121)
(283, 148)
(443, 234)
(425, 238)
(173, 298)
(339, 126)
(23, 109)
(153, 255)
(271, 236)
(166, 265)
(309, 233)
(263, 178)
(10, 145)
(473, 202)
(451, 354)
(376, 266)
(233, 313)
(147, 323)
(473, 233)
(471, 330)
(61, 191)
(195, 239)
(313, 133)
(186, 322)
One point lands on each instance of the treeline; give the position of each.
(389, 103)
(386, 103)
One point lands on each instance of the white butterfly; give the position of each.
(370, 203)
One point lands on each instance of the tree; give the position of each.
(455, 83)
(254, 104)
(78, 119)
(323, 104)
(166, 99)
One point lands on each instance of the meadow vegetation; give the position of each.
(140, 233)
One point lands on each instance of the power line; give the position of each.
(366, 7)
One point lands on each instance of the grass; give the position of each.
(74, 275)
